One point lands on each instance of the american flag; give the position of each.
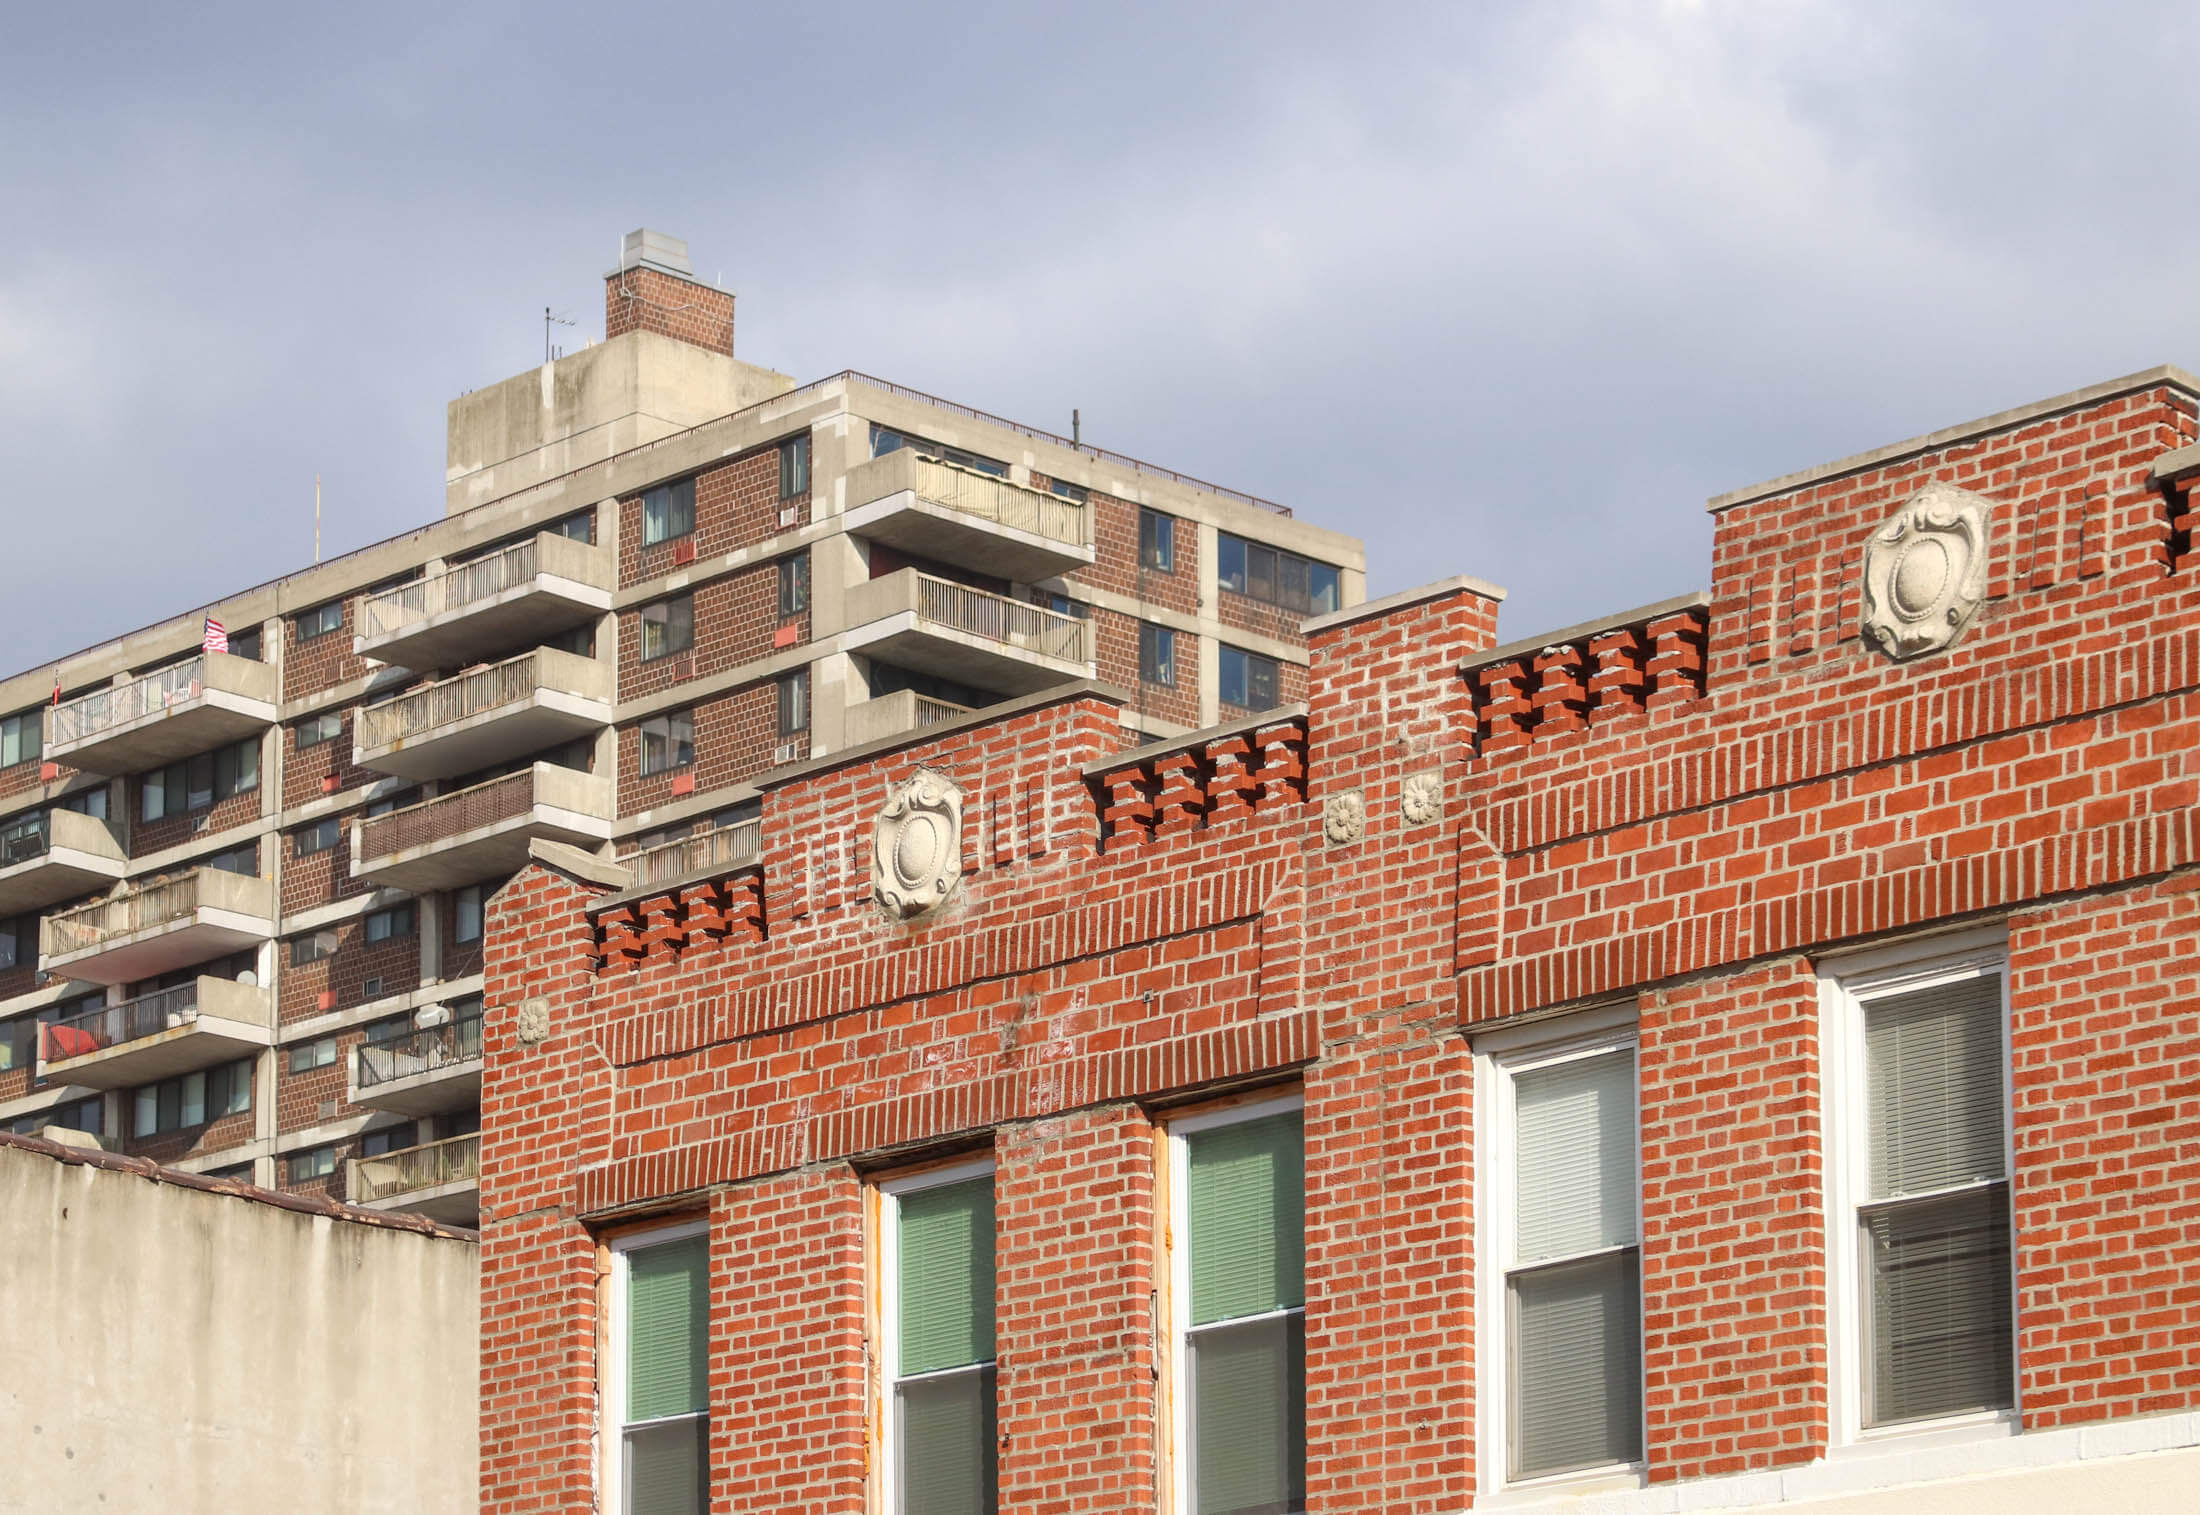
(216, 638)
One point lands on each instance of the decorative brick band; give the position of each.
(1528, 700)
(1194, 787)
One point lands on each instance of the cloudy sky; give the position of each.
(1506, 290)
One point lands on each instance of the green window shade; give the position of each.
(1249, 1417)
(664, 1469)
(1577, 1365)
(1574, 1172)
(1940, 1307)
(1247, 1201)
(946, 1435)
(946, 1277)
(1933, 1064)
(667, 1318)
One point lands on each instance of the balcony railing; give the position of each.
(454, 1160)
(165, 903)
(427, 1050)
(509, 798)
(496, 687)
(896, 714)
(992, 498)
(974, 612)
(113, 1025)
(728, 847)
(84, 721)
(398, 610)
(53, 855)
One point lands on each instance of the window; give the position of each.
(176, 1104)
(1156, 541)
(388, 1139)
(466, 910)
(668, 511)
(1922, 1190)
(936, 1325)
(1246, 679)
(317, 729)
(794, 585)
(884, 441)
(314, 1162)
(238, 1172)
(307, 1056)
(244, 860)
(390, 802)
(794, 702)
(319, 621)
(1564, 1238)
(578, 640)
(1239, 1308)
(794, 467)
(91, 802)
(318, 837)
(23, 839)
(312, 949)
(668, 627)
(22, 737)
(77, 1115)
(18, 1042)
(578, 527)
(1068, 491)
(18, 941)
(245, 644)
(1062, 604)
(1156, 654)
(668, 741)
(1279, 577)
(657, 1379)
(198, 782)
(387, 925)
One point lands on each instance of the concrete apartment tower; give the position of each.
(242, 887)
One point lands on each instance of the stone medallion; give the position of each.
(1421, 798)
(1925, 571)
(916, 847)
(1344, 816)
(533, 1023)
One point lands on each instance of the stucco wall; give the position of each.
(172, 1349)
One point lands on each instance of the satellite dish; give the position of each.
(249, 979)
(432, 1015)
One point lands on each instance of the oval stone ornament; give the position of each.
(916, 845)
(1925, 571)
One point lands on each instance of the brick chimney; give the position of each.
(654, 289)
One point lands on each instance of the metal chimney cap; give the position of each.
(644, 248)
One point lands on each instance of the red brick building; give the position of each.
(1738, 1052)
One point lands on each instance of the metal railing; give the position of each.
(448, 815)
(469, 694)
(998, 618)
(156, 904)
(120, 704)
(992, 498)
(426, 1050)
(453, 1160)
(112, 1025)
(394, 609)
(729, 847)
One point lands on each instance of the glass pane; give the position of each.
(1940, 1323)
(667, 1315)
(944, 1430)
(946, 1277)
(1576, 1365)
(1230, 682)
(1230, 562)
(1933, 1065)
(1249, 1416)
(1246, 1205)
(1325, 591)
(1574, 1165)
(664, 1468)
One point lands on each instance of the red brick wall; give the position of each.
(395, 961)
(1115, 558)
(322, 663)
(642, 299)
(1115, 643)
(148, 837)
(319, 878)
(305, 770)
(175, 1146)
(735, 618)
(735, 736)
(1234, 609)
(737, 504)
(299, 1096)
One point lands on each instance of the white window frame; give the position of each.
(1846, 985)
(1499, 1057)
(1180, 1277)
(888, 1295)
(615, 1354)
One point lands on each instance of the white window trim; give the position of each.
(1180, 1276)
(889, 1311)
(1500, 1056)
(1846, 985)
(615, 1354)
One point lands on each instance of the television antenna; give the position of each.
(548, 320)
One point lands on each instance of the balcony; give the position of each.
(524, 704)
(728, 848)
(441, 1180)
(202, 1024)
(175, 712)
(897, 714)
(53, 855)
(959, 515)
(970, 636)
(158, 927)
(423, 1072)
(478, 833)
(526, 593)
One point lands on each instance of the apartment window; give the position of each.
(318, 837)
(578, 640)
(668, 511)
(319, 621)
(1246, 679)
(387, 925)
(312, 949)
(794, 585)
(177, 1104)
(1069, 491)
(1566, 1242)
(390, 802)
(1278, 577)
(238, 1172)
(314, 1162)
(245, 644)
(388, 1139)
(466, 908)
(884, 441)
(198, 782)
(18, 1042)
(668, 627)
(22, 737)
(315, 730)
(657, 1380)
(1239, 1308)
(1156, 654)
(1156, 541)
(91, 802)
(1062, 604)
(794, 703)
(319, 1053)
(794, 467)
(578, 527)
(1920, 1069)
(668, 741)
(76, 1115)
(936, 1321)
(244, 860)
(18, 941)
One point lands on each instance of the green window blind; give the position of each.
(946, 1277)
(1933, 1087)
(947, 1436)
(1246, 1201)
(667, 1318)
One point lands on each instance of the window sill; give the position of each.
(1920, 1435)
(1620, 1477)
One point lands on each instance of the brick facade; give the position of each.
(644, 299)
